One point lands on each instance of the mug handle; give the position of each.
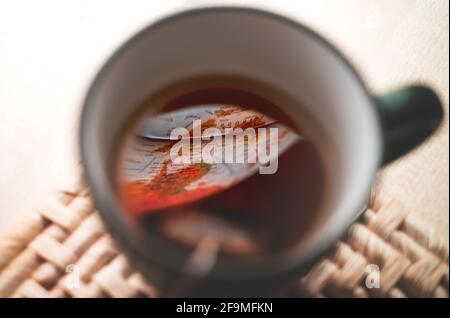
(408, 116)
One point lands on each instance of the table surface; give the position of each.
(50, 51)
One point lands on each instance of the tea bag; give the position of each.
(217, 116)
(192, 226)
(150, 181)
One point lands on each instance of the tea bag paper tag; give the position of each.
(150, 180)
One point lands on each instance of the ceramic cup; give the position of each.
(365, 131)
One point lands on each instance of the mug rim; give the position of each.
(267, 267)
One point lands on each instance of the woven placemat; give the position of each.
(386, 253)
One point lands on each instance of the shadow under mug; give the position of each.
(365, 131)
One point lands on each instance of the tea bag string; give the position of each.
(204, 257)
(201, 262)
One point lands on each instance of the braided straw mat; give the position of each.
(38, 256)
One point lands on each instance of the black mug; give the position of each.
(367, 131)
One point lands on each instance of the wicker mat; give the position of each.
(39, 256)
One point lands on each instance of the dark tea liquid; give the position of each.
(235, 206)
